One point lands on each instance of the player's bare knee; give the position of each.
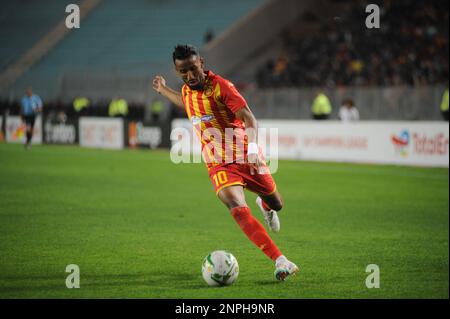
(233, 203)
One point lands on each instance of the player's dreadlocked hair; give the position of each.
(183, 51)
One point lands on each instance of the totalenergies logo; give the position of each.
(401, 142)
(421, 143)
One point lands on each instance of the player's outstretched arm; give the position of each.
(159, 85)
(251, 126)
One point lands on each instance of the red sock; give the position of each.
(255, 231)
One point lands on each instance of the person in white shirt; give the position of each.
(348, 112)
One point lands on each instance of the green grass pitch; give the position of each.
(139, 226)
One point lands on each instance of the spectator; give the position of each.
(176, 112)
(348, 112)
(118, 107)
(444, 105)
(156, 109)
(80, 104)
(410, 48)
(321, 108)
(31, 106)
(209, 36)
(1, 128)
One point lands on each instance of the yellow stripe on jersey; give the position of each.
(221, 107)
(189, 113)
(217, 95)
(215, 123)
(197, 113)
(196, 108)
(182, 95)
(208, 109)
(185, 97)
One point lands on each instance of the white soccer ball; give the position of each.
(220, 268)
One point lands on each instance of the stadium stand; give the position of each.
(23, 24)
(133, 43)
(399, 53)
(118, 48)
(277, 57)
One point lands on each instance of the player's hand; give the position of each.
(159, 83)
(255, 163)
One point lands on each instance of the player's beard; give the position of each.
(198, 86)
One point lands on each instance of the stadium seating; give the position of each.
(121, 45)
(129, 35)
(23, 23)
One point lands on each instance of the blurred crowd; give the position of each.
(410, 48)
(59, 111)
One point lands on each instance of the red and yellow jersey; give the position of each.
(212, 114)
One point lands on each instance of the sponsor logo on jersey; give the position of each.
(207, 118)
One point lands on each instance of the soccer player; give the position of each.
(214, 106)
(31, 106)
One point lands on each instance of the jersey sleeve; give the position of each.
(184, 95)
(230, 96)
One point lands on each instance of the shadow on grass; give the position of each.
(268, 282)
(50, 282)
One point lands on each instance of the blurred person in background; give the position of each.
(31, 106)
(410, 48)
(80, 105)
(2, 138)
(321, 108)
(348, 112)
(118, 107)
(209, 36)
(61, 112)
(444, 105)
(156, 109)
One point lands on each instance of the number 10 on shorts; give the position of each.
(220, 178)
